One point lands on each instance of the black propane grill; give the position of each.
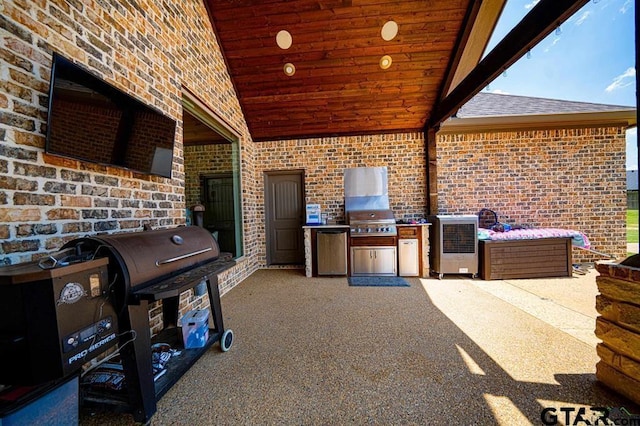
(61, 312)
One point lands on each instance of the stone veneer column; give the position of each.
(425, 251)
(308, 271)
(618, 326)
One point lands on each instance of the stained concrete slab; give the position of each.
(564, 303)
(452, 351)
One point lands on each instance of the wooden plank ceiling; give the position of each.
(338, 87)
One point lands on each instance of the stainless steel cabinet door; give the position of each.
(361, 263)
(373, 261)
(384, 261)
(332, 252)
(408, 260)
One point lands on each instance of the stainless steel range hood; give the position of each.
(365, 188)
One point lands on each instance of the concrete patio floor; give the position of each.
(452, 351)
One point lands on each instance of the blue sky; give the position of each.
(591, 58)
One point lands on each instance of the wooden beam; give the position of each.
(432, 171)
(476, 45)
(544, 18)
(461, 46)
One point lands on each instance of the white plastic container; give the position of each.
(195, 328)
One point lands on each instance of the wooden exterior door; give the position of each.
(284, 217)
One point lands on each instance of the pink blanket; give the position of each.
(577, 238)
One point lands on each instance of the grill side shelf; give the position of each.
(173, 286)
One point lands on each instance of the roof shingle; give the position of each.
(495, 104)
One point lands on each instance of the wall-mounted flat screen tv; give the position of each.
(91, 120)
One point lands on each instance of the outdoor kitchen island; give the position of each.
(412, 248)
(371, 243)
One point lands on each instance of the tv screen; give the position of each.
(90, 120)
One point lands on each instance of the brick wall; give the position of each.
(581, 171)
(150, 50)
(324, 160)
(573, 178)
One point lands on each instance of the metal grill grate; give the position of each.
(458, 238)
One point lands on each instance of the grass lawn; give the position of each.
(632, 226)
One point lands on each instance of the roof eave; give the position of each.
(618, 118)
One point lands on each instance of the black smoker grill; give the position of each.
(115, 277)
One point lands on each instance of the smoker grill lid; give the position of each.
(148, 256)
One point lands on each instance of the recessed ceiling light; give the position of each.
(389, 30)
(289, 69)
(283, 39)
(385, 62)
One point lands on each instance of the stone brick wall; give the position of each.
(150, 50)
(618, 326)
(571, 178)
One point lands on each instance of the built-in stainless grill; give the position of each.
(372, 226)
(370, 223)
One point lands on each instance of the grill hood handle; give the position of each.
(184, 256)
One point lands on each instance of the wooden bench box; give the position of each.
(527, 258)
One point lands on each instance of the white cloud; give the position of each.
(530, 5)
(499, 92)
(623, 80)
(625, 7)
(583, 17)
(555, 41)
